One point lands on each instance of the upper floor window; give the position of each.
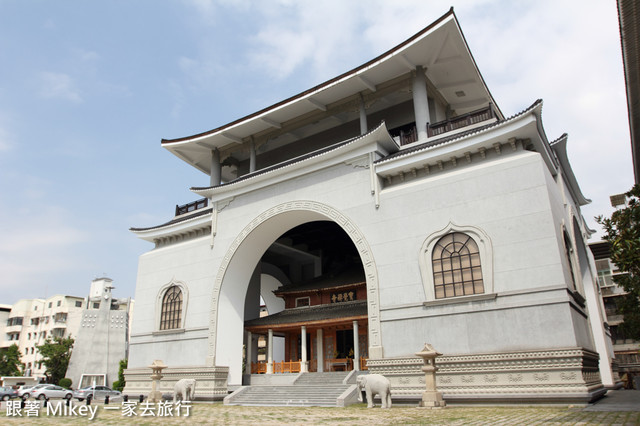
(302, 301)
(171, 313)
(605, 273)
(456, 266)
(14, 321)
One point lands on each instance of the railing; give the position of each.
(286, 367)
(258, 368)
(363, 364)
(463, 120)
(410, 136)
(278, 367)
(193, 206)
(331, 364)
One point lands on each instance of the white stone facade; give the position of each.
(500, 182)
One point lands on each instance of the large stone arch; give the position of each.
(227, 305)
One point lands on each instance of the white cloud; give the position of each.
(313, 35)
(58, 86)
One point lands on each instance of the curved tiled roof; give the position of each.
(312, 313)
(349, 278)
(179, 219)
(319, 86)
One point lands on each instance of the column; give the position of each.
(216, 168)
(356, 347)
(420, 102)
(252, 156)
(270, 352)
(249, 353)
(320, 347)
(303, 355)
(363, 117)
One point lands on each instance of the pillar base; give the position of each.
(154, 397)
(432, 400)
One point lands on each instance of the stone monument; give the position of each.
(431, 398)
(156, 375)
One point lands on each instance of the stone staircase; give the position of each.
(309, 389)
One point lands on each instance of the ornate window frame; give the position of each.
(159, 299)
(486, 262)
(572, 260)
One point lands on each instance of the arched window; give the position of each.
(171, 314)
(568, 252)
(456, 266)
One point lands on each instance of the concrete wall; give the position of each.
(191, 263)
(507, 198)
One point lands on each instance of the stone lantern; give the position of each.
(156, 374)
(431, 398)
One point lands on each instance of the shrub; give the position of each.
(65, 383)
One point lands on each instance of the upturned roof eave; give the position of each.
(183, 223)
(195, 149)
(559, 146)
(320, 87)
(379, 136)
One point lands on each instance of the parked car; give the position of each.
(23, 391)
(50, 391)
(96, 392)
(7, 392)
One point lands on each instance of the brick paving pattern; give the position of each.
(203, 413)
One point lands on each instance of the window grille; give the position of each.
(171, 314)
(456, 266)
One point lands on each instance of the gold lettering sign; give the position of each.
(343, 297)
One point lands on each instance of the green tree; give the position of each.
(55, 356)
(623, 234)
(10, 364)
(120, 383)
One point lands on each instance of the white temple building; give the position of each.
(390, 206)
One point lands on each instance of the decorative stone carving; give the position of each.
(374, 384)
(431, 398)
(570, 375)
(184, 390)
(212, 381)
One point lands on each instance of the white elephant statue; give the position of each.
(184, 390)
(374, 384)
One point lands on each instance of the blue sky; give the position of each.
(89, 88)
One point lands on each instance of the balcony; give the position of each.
(191, 207)
(464, 120)
(409, 134)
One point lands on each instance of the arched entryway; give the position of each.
(238, 266)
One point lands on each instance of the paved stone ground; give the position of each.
(619, 408)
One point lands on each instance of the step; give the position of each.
(310, 389)
(290, 395)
